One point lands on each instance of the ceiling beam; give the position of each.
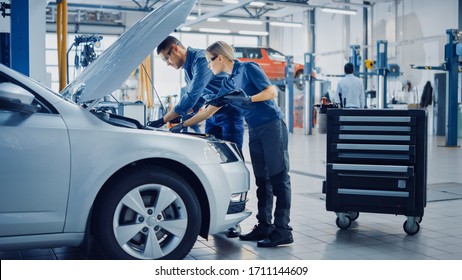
(216, 13)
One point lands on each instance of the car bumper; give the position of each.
(228, 179)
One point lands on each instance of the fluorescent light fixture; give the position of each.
(215, 30)
(257, 4)
(231, 1)
(339, 11)
(256, 33)
(185, 28)
(191, 18)
(213, 19)
(286, 24)
(245, 21)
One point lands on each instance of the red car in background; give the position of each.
(271, 61)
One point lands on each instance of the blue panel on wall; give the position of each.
(20, 36)
(5, 48)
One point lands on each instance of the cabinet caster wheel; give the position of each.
(353, 215)
(411, 228)
(343, 223)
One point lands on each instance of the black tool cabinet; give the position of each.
(377, 163)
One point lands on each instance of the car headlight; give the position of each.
(224, 152)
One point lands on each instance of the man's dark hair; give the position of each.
(167, 43)
(349, 69)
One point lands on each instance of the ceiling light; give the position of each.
(256, 33)
(185, 28)
(231, 1)
(257, 4)
(286, 24)
(245, 21)
(339, 11)
(214, 30)
(213, 19)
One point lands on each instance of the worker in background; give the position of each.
(201, 85)
(350, 89)
(248, 88)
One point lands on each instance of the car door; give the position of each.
(34, 170)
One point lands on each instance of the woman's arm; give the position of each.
(201, 116)
(268, 93)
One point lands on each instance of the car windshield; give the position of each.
(275, 55)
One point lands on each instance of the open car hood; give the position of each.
(108, 72)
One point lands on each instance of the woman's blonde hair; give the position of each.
(221, 48)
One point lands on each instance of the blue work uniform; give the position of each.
(199, 82)
(228, 122)
(268, 143)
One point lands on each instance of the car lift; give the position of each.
(308, 92)
(289, 98)
(308, 88)
(287, 84)
(451, 64)
(381, 71)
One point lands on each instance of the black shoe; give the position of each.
(257, 233)
(233, 232)
(276, 238)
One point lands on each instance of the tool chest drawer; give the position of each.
(371, 188)
(371, 153)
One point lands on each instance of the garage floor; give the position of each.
(371, 236)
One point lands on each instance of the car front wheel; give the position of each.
(151, 213)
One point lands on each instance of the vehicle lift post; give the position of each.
(355, 59)
(309, 93)
(452, 51)
(381, 72)
(290, 93)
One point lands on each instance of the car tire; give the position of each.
(148, 213)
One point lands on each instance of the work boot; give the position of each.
(276, 238)
(258, 232)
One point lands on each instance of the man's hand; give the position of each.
(238, 98)
(157, 123)
(177, 128)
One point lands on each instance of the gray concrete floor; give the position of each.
(371, 237)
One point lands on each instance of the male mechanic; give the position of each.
(201, 85)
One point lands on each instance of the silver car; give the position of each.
(69, 171)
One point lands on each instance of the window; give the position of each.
(239, 52)
(254, 53)
(275, 55)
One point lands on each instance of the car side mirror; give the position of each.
(16, 99)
